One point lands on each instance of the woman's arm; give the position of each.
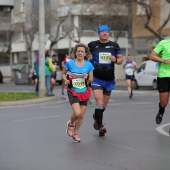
(63, 74)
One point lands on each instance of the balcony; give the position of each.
(18, 18)
(5, 23)
(114, 34)
(6, 3)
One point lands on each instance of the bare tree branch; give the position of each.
(164, 24)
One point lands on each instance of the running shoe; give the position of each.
(62, 92)
(95, 124)
(102, 131)
(76, 138)
(159, 117)
(131, 94)
(70, 129)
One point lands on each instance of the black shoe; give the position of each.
(102, 131)
(50, 95)
(131, 94)
(159, 117)
(95, 124)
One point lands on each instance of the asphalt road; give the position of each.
(33, 137)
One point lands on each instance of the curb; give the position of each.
(31, 101)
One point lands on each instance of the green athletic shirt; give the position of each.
(163, 51)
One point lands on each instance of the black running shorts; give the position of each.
(163, 84)
(74, 99)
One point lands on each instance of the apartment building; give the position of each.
(78, 21)
(80, 24)
(5, 34)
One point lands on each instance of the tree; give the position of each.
(149, 8)
(94, 13)
(56, 32)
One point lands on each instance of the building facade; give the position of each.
(68, 22)
(6, 7)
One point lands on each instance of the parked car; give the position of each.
(1, 77)
(59, 78)
(146, 75)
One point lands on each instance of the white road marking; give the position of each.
(142, 103)
(162, 131)
(139, 150)
(110, 104)
(35, 118)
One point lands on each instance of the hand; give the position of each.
(113, 58)
(66, 82)
(167, 61)
(85, 76)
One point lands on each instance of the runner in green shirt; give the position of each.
(161, 54)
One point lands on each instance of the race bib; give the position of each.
(104, 58)
(129, 72)
(78, 83)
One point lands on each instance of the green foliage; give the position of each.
(14, 96)
(4, 57)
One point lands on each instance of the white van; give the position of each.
(146, 75)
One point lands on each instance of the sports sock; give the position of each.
(161, 109)
(99, 116)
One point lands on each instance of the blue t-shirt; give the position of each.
(76, 75)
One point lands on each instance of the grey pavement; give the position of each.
(33, 137)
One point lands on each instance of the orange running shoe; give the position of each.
(76, 138)
(70, 129)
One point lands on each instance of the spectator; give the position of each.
(67, 58)
(54, 74)
(1, 77)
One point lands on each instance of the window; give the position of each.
(142, 68)
(7, 9)
(22, 6)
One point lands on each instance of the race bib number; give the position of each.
(104, 58)
(129, 72)
(78, 83)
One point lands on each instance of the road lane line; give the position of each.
(35, 118)
(138, 150)
(142, 103)
(161, 130)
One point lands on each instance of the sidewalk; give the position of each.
(10, 86)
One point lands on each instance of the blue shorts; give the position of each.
(106, 86)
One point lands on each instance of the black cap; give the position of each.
(54, 55)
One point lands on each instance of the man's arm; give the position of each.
(154, 57)
(119, 59)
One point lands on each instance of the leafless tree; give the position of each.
(149, 10)
(56, 24)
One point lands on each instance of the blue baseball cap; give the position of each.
(103, 28)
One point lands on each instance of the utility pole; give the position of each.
(41, 49)
(70, 18)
